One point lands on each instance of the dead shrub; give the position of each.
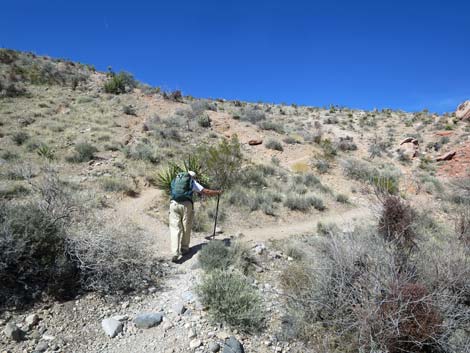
(109, 259)
(409, 320)
(396, 222)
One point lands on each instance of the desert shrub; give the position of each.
(198, 107)
(84, 152)
(296, 202)
(346, 144)
(385, 179)
(217, 255)
(113, 184)
(12, 191)
(109, 260)
(342, 198)
(8, 155)
(290, 140)
(348, 295)
(230, 298)
(222, 162)
(397, 222)
(322, 165)
(204, 120)
(329, 150)
(144, 152)
(462, 225)
(33, 244)
(271, 125)
(252, 115)
(122, 82)
(274, 145)
(19, 137)
(129, 110)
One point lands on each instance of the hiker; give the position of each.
(182, 211)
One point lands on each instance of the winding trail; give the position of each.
(135, 210)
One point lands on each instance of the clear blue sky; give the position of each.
(363, 54)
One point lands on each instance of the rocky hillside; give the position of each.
(329, 226)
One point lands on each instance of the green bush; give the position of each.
(231, 299)
(129, 110)
(84, 152)
(252, 115)
(120, 83)
(274, 145)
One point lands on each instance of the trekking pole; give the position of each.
(216, 214)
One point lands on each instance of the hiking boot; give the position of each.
(175, 258)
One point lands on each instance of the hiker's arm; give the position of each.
(209, 192)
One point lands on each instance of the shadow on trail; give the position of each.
(193, 250)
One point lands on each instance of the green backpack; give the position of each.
(182, 187)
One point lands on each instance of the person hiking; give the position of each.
(182, 211)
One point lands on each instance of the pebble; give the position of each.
(195, 343)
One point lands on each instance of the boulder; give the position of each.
(446, 157)
(463, 111)
(232, 345)
(111, 327)
(407, 140)
(255, 142)
(148, 320)
(410, 147)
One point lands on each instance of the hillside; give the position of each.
(87, 148)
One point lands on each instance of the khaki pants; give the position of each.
(181, 222)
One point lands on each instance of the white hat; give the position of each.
(190, 172)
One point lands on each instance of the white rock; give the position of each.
(191, 333)
(31, 320)
(111, 327)
(195, 343)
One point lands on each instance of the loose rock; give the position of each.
(31, 320)
(148, 320)
(195, 343)
(232, 345)
(214, 347)
(42, 346)
(13, 332)
(111, 327)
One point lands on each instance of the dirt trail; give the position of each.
(135, 210)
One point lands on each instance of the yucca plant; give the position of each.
(165, 176)
(45, 151)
